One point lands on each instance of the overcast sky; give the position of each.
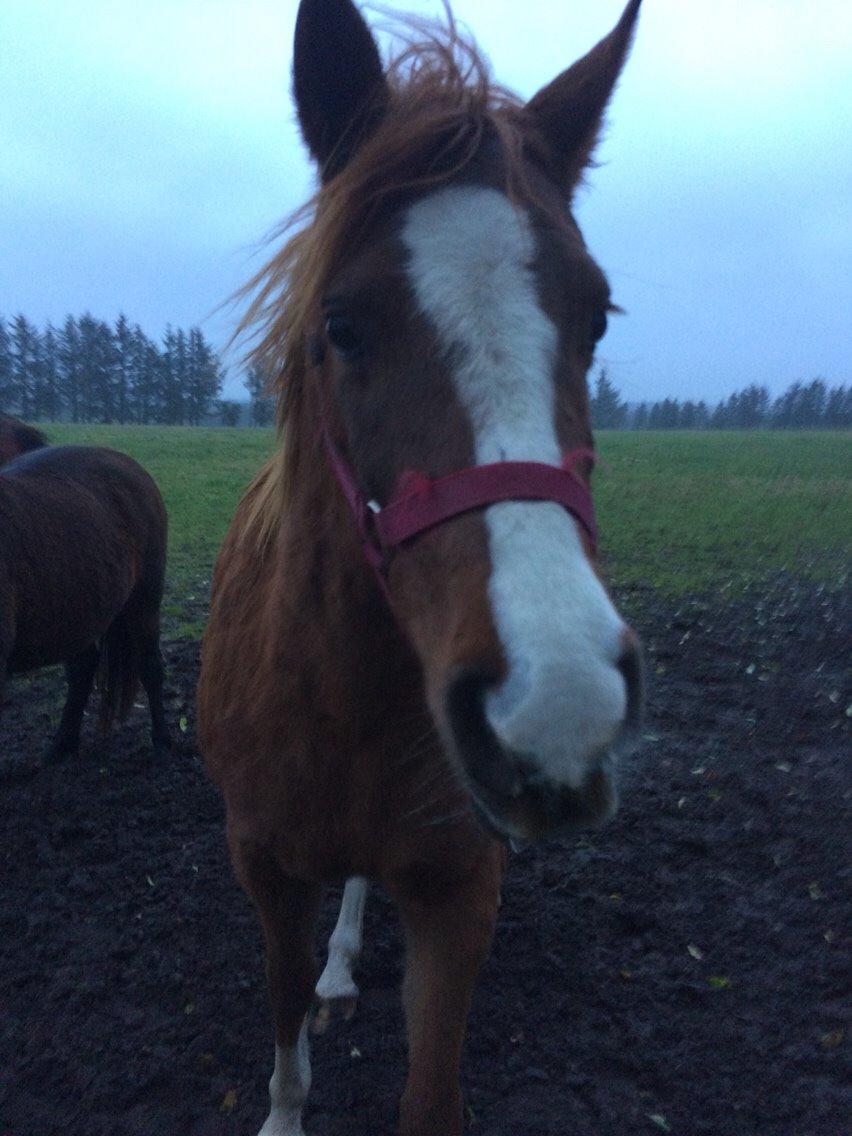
(146, 148)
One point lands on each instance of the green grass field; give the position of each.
(680, 511)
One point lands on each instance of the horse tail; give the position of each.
(118, 671)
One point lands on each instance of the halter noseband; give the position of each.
(420, 502)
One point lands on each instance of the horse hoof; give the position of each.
(333, 1009)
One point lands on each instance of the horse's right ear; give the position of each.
(338, 81)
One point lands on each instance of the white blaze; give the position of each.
(471, 268)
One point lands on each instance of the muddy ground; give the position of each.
(682, 971)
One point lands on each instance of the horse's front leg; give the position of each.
(288, 911)
(448, 938)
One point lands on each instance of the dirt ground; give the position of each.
(684, 970)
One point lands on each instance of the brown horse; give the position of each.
(409, 651)
(17, 438)
(82, 561)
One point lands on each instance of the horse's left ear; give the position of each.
(569, 111)
(338, 81)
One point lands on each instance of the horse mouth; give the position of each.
(512, 798)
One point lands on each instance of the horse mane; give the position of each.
(442, 106)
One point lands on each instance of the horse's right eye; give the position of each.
(342, 336)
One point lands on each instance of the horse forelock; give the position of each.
(444, 108)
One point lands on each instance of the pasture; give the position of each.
(683, 970)
(680, 511)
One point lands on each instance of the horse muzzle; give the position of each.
(515, 797)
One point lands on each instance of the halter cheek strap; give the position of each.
(420, 502)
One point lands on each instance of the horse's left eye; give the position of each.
(599, 326)
(342, 336)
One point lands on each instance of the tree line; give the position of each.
(802, 406)
(88, 370)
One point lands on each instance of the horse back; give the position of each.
(82, 529)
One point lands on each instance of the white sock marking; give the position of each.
(288, 1088)
(344, 946)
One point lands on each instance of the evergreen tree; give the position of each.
(6, 381)
(607, 408)
(719, 417)
(262, 402)
(97, 362)
(665, 415)
(801, 406)
(48, 401)
(145, 367)
(124, 364)
(25, 365)
(747, 409)
(229, 412)
(69, 368)
(640, 417)
(813, 403)
(838, 408)
(203, 380)
(170, 400)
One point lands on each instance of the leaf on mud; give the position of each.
(183, 723)
(681, 802)
(229, 1101)
(834, 696)
(616, 897)
(714, 794)
(626, 974)
(750, 669)
(783, 766)
(719, 981)
(150, 881)
(354, 1052)
(660, 1121)
(189, 1008)
(831, 1040)
(696, 952)
(651, 737)
(698, 770)
(815, 891)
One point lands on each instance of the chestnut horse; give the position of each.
(17, 438)
(410, 656)
(82, 562)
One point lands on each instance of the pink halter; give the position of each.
(420, 503)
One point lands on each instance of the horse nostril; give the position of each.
(465, 700)
(472, 733)
(633, 671)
